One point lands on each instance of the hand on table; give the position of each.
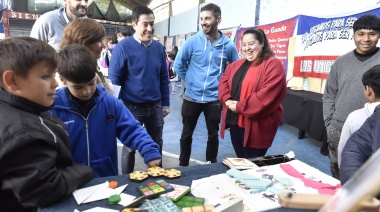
(153, 163)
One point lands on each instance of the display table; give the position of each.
(189, 174)
(303, 110)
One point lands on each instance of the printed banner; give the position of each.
(230, 32)
(278, 35)
(169, 43)
(320, 41)
(180, 40)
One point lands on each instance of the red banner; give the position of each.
(313, 66)
(278, 35)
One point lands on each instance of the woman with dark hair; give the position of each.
(88, 33)
(251, 91)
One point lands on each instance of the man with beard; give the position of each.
(49, 27)
(138, 65)
(200, 62)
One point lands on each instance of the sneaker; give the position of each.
(173, 92)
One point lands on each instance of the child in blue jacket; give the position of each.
(94, 119)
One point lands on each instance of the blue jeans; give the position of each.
(190, 114)
(237, 140)
(151, 116)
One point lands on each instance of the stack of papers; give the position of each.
(239, 163)
(97, 192)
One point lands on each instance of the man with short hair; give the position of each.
(200, 62)
(138, 65)
(49, 27)
(344, 89)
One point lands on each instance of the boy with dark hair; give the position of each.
(36, 165)
(94, 118)
(343, 91)
(371, 82)
(366, 140)
(124, 33)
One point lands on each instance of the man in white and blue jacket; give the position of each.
(200, 62)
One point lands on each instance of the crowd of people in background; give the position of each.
(69, 131)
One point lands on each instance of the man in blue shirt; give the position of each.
(200, 62)
(138, 65)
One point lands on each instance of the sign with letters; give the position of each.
(320, 41)
(278, 35)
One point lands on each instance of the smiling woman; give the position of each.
(88, 33)
(257, 80)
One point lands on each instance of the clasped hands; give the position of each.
(231, 104)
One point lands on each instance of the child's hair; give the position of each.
(20, 54)
(107, 40)
(372, 79)
(84, 31)
(126, 31)
(370, 22)
(78, 64)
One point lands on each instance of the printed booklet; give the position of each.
(239, 163)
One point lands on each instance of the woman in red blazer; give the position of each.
(251, 91)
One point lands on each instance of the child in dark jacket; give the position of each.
(36, 166)
(366, 140)
(95, 119)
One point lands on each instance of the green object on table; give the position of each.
(114, 199)
(188, 201)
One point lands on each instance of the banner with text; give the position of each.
(230, 32)
(320, 41)
(278, 35)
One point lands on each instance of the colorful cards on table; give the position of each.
(155, 188)
(161, 204)
(179, 191)
(188, 201)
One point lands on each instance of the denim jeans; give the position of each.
(237, 140)
(152, 118)
(190, 114)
